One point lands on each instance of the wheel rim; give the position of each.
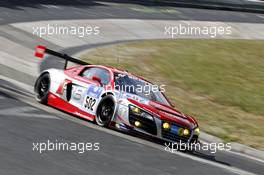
(43, 86)
(105, 113)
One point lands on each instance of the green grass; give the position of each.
(220, 82)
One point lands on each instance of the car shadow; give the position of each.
(207, 155)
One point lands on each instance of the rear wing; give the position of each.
(41, 50)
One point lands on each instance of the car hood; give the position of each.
(167, 113)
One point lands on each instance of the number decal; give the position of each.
(89, 103)
(93, 94)
(94, 91)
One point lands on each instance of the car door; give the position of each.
(87, 93)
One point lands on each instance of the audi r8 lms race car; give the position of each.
(108, 97)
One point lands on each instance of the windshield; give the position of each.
(134, 85)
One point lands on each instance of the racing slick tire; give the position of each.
(105, 111)
(42, 87)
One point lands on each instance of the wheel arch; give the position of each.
(107, 93)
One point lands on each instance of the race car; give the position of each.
(104, 95)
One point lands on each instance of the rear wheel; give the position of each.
(105, 111)
(42, 86)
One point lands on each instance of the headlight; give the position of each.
(146, 115)
(186, 132)
(183, 132)
(197, 131)
(137, 111)
(166, 125)
(137, 123)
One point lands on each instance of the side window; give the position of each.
(98, 72)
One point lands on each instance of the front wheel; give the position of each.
(105, 111)
(42, 86)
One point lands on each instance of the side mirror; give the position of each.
(98, 79)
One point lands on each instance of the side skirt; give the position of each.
(57, 102)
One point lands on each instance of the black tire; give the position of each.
(105, 111)
(42, 87)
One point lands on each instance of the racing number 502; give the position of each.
(89, 103)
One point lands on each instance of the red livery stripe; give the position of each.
(59, 103)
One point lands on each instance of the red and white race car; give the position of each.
(104, 95)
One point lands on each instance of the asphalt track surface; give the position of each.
(29, 10)
(23, 121)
